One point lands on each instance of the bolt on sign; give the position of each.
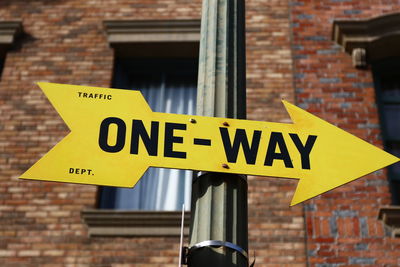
(115, 137)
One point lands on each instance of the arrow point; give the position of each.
(345, 156)
(312, 186)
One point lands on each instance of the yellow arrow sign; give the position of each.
(115, 137)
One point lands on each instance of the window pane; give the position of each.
(391, 81)
(387, 81)
(390, 87)
(394, 148)
(1, 66)
(391, 114)
(391, 94)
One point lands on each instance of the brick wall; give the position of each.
(290, 55)
(64, 42)
(276, 230)
(342, 226)
(40, 222)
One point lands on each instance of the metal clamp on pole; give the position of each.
(217, 243)
(199, 174)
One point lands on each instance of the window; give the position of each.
(374, 42)
(160, 59)
(387, 84)
(168, 85)
(9, 32)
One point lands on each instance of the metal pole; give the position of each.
(218, 228)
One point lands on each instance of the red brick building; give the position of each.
(334, 58)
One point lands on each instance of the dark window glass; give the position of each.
(387, 84)
(1, 66)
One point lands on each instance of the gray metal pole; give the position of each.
(218, 229)
(222, 60)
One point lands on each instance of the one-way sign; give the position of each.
(115, 137)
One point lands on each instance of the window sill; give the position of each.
(112, 223)
(390, 216)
